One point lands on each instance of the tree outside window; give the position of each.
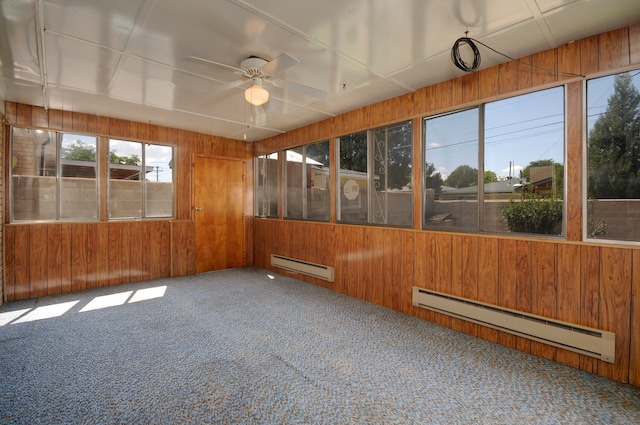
(613, 168)
(374, 176)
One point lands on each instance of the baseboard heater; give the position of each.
(580, 339)
(304, 267)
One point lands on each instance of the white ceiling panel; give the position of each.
(75, 100)
(106, 23)
(126, 58)
(437, 68)
(80, 65)
(153, 84)
(18, 48)
(356, 97)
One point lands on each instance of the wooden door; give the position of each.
(218, 211)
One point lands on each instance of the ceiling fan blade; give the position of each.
(258, 115)
(208, 62)
(213, 94)
(228, 86)
(309, 91)
(279, 64)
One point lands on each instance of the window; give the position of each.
(307, 182)
(140, 180)
(125, 185)
(451, 170)
(79, 171)
(267, 182)
(378, 162)
(524, 163)
(353, 178)
(392, 165)
(53, 176)
(158, 184)
(506, 155)
(613, 163)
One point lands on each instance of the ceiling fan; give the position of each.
(258, 73)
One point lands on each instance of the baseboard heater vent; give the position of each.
(588, 341)
(310, 269)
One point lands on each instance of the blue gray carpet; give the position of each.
(245, 346)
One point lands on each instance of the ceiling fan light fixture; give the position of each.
(256, 94)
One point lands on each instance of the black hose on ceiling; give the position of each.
(457, 58)
(460, 63)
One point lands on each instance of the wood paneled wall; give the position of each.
(585, 284)
(2, 196)
(46, 259)
(568, 279)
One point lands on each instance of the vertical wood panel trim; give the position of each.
(544, 291)
(407, 282)
(615, 308)
(22, 263)
(524, 290)
(574, 166)
(79, 257)
(634, 44)
(54, 259)
(38, 261)
(9, 235)
(507, 283)
(114, 249)
(488, 272)
(634, 354)
(569, 296)
(590, 297)
(416, 170)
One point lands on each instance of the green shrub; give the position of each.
(532, 213)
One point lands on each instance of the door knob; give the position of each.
(198, 208)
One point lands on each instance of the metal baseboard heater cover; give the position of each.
(304, 267)
(580, 339)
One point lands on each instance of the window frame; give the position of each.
(585, 201)
(339, 187)
(371, 175)
(481, 225)
(265, 186)
(304, 178)
(479, 196)
(143, 181)
(59, 178)
(101, 186)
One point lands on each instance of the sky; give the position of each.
(157, 156)
(518, 130)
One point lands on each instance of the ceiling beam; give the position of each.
(42, 59)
